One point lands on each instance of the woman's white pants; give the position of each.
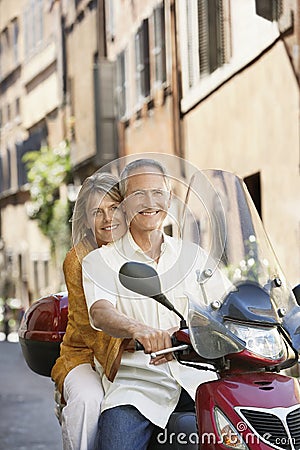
(83, 393)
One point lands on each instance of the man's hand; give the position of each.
(152, 341)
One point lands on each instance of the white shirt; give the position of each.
(153, 390)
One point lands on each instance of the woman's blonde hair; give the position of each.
(98, 183)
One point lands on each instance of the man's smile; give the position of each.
(149, 213)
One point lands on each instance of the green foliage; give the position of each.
(59, 230)
(48, 170)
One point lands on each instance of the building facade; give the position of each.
(212, 81)
(31, 99)
(240, 105)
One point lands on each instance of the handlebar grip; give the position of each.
(138, 346)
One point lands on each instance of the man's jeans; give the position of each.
(125, 428)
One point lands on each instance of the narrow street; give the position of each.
(27, 419)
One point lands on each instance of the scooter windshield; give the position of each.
(241, 279)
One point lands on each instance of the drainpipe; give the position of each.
(176, 86)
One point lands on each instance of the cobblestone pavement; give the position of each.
(27, 419)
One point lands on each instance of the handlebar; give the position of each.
(180, 343)
(169, 350)
(178, 347)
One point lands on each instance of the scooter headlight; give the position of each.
(228, 434)
(262, 341)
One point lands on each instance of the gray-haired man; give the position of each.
(143, 394)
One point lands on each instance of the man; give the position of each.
(143, 394)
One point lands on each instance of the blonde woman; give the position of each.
(97, 220)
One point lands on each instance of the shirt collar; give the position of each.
(132, 250)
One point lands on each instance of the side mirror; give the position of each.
(144, 280)
(140, 278)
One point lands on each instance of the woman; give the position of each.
(97, 220)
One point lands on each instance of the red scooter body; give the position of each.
(253, 394)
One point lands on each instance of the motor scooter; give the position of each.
(245, 329)
(247, 332)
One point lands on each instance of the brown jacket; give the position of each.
(81, 342)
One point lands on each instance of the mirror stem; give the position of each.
(183, 324)
(162, 299)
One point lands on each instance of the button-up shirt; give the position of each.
(153, 390)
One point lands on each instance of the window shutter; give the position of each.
(214, 34)
(159, 44)
(142, 61)
(110, 20)
(220, 42)
(203, 36)
(16, 41)
(192, 42)
(8, 175)
(1, 176)
(137, 48)
(121, 85)
(106, 142)
(211, 35)
(227, 49)
(146, 59)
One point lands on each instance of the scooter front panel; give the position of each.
(263, 407)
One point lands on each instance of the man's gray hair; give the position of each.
(136, 164)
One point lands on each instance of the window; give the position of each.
(46, 272)
(33, 25)
(142, 61)
(5, 170)
(269, 9)
(110, 20)
(17, 106)
(36, 275)
(1, 175)
(168, 230)
(27, 36)
(1, 56)
(159, 44)
(4, 52)
(205, 38)
(20, 264)
(8, 169)
(121, 84)
(8, 113)
(39, 18)
(15, 40)
(254, 188)
(6, 38)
